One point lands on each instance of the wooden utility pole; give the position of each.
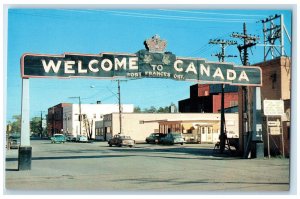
(248, 42)
(221, 55)
(120, 108)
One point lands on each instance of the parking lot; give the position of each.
(98, 168)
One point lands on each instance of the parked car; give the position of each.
(14, 142)
(81, 138)
(58, 138)
(121, 140)
(173, 138)
(71, 138)
(155, 138)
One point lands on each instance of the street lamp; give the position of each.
(80, 116)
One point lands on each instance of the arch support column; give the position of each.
(25, 150)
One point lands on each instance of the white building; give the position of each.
(90, 114)
(201, 127)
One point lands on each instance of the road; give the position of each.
(97, 168)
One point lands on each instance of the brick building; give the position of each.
(205, 98)
(55, 118)
(277, 85)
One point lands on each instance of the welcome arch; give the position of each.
(152, 62)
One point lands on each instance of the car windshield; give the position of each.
(14, 137)
(176, 135)
(58, 135)
(125, 137)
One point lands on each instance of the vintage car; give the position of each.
(173, 138)
(81, 138)
(71, 138)
(121, 140)
(58, 138)
(155, 138)
(14, 142)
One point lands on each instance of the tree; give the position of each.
(152, 109)
(137, 109)
(16, 124)
(35, 125)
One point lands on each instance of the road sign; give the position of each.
(273, 107)
(275, 130)
(274, 123)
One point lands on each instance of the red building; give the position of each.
(55, 118)
(207, 98)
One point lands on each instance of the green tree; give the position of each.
(137, 109)
(35, 125)
(152, 109)
(15, 124)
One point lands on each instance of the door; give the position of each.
(203, 134)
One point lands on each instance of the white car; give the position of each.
(81, 138)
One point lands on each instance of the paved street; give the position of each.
(95, 167)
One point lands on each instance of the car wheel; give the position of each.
(130, 146)
(110, 145)
(181, 143)
(147, 141)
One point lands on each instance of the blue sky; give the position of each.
(55, 31)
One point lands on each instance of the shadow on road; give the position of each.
(168, 152)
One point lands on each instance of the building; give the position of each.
(73, 126)
(55, 118)
(141, 125)
(276, 75)
(205, 98)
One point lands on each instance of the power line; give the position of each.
(212, 13)
(167, 17)
(152, 16)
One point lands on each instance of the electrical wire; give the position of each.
(212, 13)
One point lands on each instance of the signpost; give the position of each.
(274, 108)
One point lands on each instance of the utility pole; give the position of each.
(80, 115)
(272, 34)
(248, 41)
(41, 125)
(120, 108)
(221, 55)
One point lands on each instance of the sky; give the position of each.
(92, 31)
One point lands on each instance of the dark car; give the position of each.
(121, 140)
(173, 138)
(14, 142)
(155, 138)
